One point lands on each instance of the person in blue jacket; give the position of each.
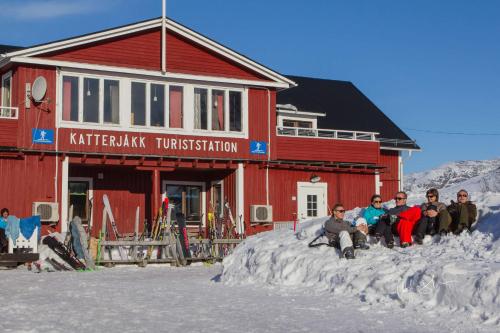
(4, 243)
(373, 212)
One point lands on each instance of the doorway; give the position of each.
(80, 195)
(187, 198)
(311, 200)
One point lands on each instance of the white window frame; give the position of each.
(125, 107)
(90, 180)
(203, 194)
(7, 75)
(221, 183)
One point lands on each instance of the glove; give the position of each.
(393, 219)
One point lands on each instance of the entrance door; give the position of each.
(187, 199)
(80, 199)
(311, 200)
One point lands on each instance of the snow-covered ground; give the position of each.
(457, 276)
(164, 299)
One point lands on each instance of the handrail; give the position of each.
(397, 142)
(7, 112)
(326, 133)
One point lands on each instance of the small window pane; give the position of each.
(70, 98)
(111, 101)
(91, 100)
(176, 107)
(218, 108)
(78, 198)
(235, 111)
(157, 102)
(138, 104)
(200, 108)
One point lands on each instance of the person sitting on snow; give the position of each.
(435, 217)
(372, 213)
(399, 220)
(342, 235)
(463, 213)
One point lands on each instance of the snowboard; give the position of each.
(77, 223)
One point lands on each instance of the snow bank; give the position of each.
(453, 273)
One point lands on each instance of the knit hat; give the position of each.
(432, 207)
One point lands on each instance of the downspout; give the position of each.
(163, 38)
(268, 143)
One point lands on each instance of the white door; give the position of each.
(311, 200)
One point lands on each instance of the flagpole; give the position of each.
(163, 38)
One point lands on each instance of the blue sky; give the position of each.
(431, 66)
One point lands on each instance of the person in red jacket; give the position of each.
(399, 220)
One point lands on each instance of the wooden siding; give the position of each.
(390, 175)
(143, 50)
(8, 132)
(27, 180)
(310, 149)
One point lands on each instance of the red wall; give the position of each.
(143, 50)
(390, 175)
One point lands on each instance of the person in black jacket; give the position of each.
(386, 227)
(343, 235)
(463, 213)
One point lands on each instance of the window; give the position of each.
(297, 123)
(176, 107)
(186, 200)
(91, 100)
(6, 90)
(157, 105)
(200, 108)
(218, 110)
(70, 98)
(312, 205)
(235, 111)
(138, 104)
(111, 101)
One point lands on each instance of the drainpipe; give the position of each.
(163, 38)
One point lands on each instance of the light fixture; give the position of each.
(155, 99)
(314, 178)
(88, 89)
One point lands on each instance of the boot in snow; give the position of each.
(348, 253)
(390, 245)
(405, 244)
(362, 246)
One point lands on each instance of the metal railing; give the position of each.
(7, 112)
(398, 142)
(326, 133)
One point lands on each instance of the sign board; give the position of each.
(258, 147)
(42, 136)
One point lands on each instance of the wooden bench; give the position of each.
(15, 259)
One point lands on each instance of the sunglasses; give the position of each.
(377, 201)
(462, 195)
(340, 210)
(399, 198)
(431, 196)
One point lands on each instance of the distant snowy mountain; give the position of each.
(456, 173)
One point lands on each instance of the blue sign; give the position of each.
(258, 147)
(43, 136)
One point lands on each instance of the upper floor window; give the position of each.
(7, 90)
(297, 123)
(138, 104)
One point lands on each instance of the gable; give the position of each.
(142, 50)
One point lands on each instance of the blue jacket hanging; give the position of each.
(28, 225)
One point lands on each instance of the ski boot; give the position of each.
(405, 244)
(419, 240)
(362, 246)
(348, 253)
(390, 245)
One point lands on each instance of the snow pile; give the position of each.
(451, 273)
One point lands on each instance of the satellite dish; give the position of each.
(39, 89)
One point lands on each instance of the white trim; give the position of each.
(173, 26)
(399, 149)
(90, 180)
(299, 113)
(378, 183)
(144, 72)
(400, 172)
(302, 186)
(221, 183)
(64, 195)
(164, 184)
(240, 203)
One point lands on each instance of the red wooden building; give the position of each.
(96, 114)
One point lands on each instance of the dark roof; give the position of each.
(346, 108)
(9, 48)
